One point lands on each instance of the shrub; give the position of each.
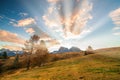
(88, 52)
(41, 57)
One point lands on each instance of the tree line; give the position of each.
(35, 54)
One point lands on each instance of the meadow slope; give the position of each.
(103, 65)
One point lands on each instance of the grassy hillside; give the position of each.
(103, 65)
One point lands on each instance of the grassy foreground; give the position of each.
(103, 65)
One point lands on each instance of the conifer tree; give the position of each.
(5, 55)
(16, 61)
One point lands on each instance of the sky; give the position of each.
(67, 23)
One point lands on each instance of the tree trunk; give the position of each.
(28, 62)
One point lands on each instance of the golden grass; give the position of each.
(104, 65)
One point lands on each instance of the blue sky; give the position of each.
(66, 23)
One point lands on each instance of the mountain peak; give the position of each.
(64, 49)
(74, 49)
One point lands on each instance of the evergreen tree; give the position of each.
(1, 66)
(5, 55)
(16, 61)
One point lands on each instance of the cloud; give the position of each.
(23, 22)
(49, 40)
(23, 14)
(50, 10)
(116, 28)
(53, 1)
(52, 42)
(26, 22)
(115, 15)
(11, 47)
(10, 37)
(116, 33)
(13, 20)
(70, 20)
(13, 23)
(30, 30)
(1, 17)
(49, 23)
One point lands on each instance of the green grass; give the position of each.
(99, 66)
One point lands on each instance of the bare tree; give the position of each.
(34, 39)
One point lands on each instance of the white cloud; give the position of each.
(23, 14)
(13, 23)
(13, 20)
(116, 33)
(116, 28)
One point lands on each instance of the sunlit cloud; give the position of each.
(10, 37)
(115, 15)
(25, 22)
(53, 1)
(50, 10)
(49, 23)
(30, 30)
(70, 21)
(11, 47)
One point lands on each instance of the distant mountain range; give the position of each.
(61, 50)
(64, 49)
(9, 52)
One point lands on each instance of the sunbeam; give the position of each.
(70, 17)
(62, 22)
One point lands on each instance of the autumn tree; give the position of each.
(41, 55)
(30, 47)
(30, 44)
